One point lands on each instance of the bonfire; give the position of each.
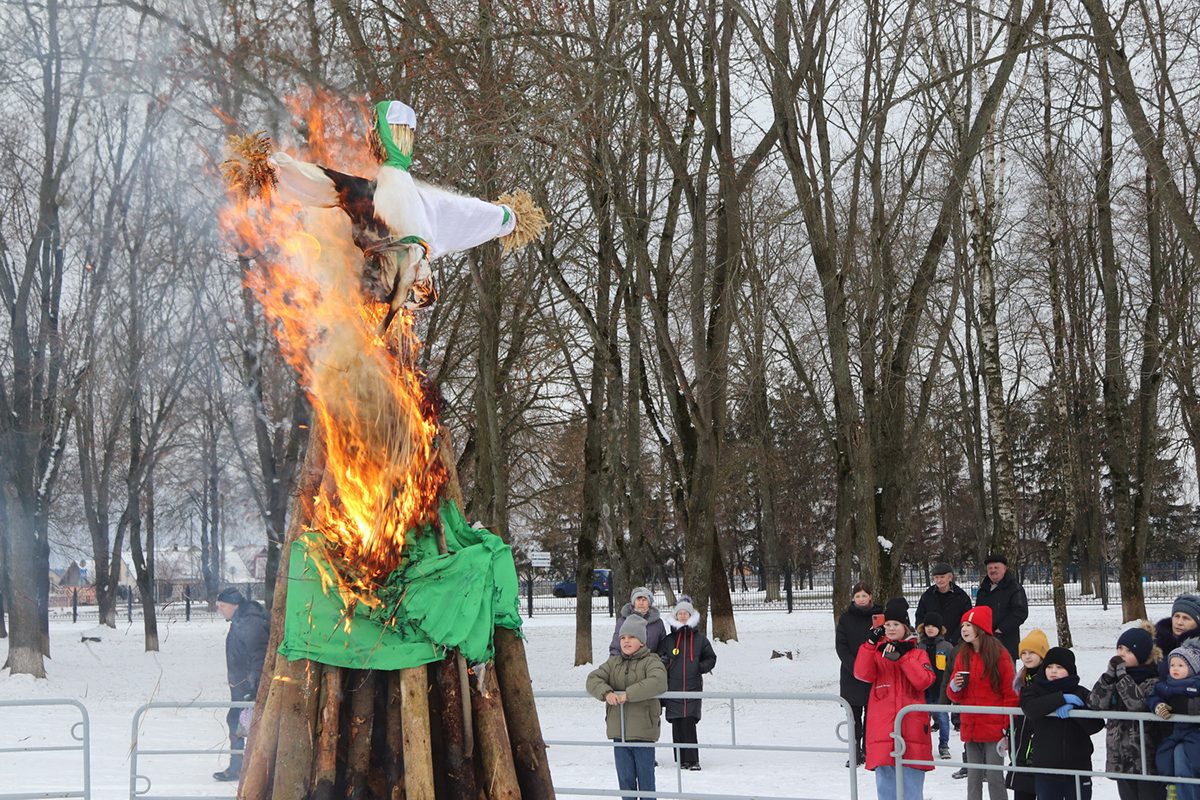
(392, 601)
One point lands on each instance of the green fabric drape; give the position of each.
(429, 604)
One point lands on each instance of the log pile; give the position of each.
(321, 732)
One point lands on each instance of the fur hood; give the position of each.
(693, 622)
(653, 615)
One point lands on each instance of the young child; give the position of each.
(983, 676)
(1059, 740)
(1031, 651)
(629, 683)
(899, 672)
(940, 654)
(1179, 753)
(688, 655)
(1131, 676)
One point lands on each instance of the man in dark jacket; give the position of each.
(1000, 592)
(947, 599)
(245, 652)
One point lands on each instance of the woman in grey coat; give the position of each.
(641, 604)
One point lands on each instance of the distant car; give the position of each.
(601, 585)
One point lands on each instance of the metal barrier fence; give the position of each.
(136, 750)
(1010, 711)
(843, 731)
(80, 732)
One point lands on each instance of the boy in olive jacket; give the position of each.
(629, 684)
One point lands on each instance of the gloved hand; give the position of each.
(1073, 699)
(875, 635)
(1163, 710)
(1063, 711)
(1116, 667)
(1002, 747)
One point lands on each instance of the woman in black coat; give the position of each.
(1182, 627)
(688, 655)
(852, 629)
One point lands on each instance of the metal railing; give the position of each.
(1141, 717)
(80, 732)
(843, 731)
(136, 750)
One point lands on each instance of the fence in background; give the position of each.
(79, 732)
(139, 784)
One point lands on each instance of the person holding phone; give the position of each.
(983, 676)
(899, 672)
(853, 627)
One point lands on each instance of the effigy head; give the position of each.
(392, 135)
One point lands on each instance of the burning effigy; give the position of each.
(384, 575)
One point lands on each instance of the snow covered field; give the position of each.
(113, 677)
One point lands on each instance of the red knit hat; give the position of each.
(980, 617)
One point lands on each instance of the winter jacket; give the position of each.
(1165, 638)
(951, 604)
(246, 649)
(688, 655)
(852, 629)
(642, 677)
(1183, 696)
(941, 657)
(1127, 691)
(1009, 609)
(655, 630)
(1058, 743)
(979, 692)
(1021, 737)
(895, 684)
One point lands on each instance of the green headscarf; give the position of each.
(394, 157)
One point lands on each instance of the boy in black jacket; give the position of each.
(1059, 740)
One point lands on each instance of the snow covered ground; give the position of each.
(113, 677)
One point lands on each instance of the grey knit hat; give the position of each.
(641, 591)
(1189, 604)
(1191, 655)
(634, 626)
(684, 605)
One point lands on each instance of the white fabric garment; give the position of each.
(447, 222)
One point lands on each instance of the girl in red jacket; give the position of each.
(899, 672)
(983, 676)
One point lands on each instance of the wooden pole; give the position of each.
(324, 766)
(499, 776)
(418, 755)
(520, 711)
(362, 723)
(297, 732)
(456, 767)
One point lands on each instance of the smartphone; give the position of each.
(876, 620)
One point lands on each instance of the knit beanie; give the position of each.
(641, 591)
(896, 610)
(1035, 642)
(634, 626)
(980, 617)
(684, 605)
(932, 618)
(1190, 656)
(1139, 642)
(1189, 604)
(231, 595)
(1061, 656)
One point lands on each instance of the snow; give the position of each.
(112, 678)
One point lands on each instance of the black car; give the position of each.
(601, 585)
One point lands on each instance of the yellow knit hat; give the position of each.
(1035, 641)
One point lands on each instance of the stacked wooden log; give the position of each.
(321, 732)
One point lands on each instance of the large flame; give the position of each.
(383, 472)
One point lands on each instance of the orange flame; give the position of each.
(383, 472)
